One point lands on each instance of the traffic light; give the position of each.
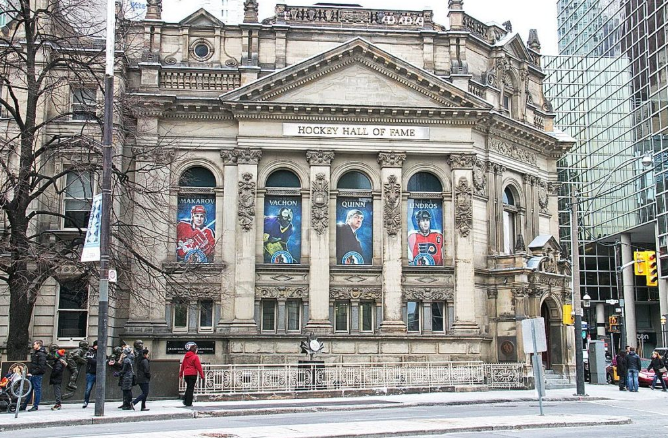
(652, 269)
(640, 265)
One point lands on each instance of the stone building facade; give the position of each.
(381, 180)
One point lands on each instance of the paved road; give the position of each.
(650, 419)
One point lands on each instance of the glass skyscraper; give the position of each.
(609, 90)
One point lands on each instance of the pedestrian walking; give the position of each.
(126, 379)
(56, 378)
(143, 379)
(633, 367)
(622, 373)
(36, 370)
(659, 369)
(91, 372)
(190, 369)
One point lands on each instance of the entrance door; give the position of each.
(547, 356)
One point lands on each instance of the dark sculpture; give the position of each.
(311, 346)
(75, 359)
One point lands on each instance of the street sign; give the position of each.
(539, 329)
(611, 301)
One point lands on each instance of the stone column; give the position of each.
(465, 291)
(497, 224)
(229, 237)
(244, 298)
(629, 293)
(318, 321)
(390, 175)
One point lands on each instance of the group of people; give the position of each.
(629, 366)
(135, 370)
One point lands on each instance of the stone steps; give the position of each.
(557, 381)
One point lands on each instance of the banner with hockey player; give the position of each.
(282, 238)
(425, 232)
(354, 231)
(195, 231)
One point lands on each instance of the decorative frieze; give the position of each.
(462, 161)
(391, 159)
(319, 203)
(513, 151)
(319, 158)
(463, 207)
(355, 293)
(392, 207)
(281, 292)
(248, 156)
(428, 294)
(246, 203)
(193, 292)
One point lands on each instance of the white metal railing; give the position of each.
(227, 379)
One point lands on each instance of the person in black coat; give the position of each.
(346, 238)
(621, 369)
(656, 364)
(56, 378)
(143, 379)
(91, 372)
(36, 370)
(126, 379)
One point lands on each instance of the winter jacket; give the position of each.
(191, 365)
(621, 364)
(57, 372)
(91, 361)
(143, 371)
(655, 364)
(633, 362)
(37, 365)
(126, 375)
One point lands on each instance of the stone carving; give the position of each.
(319, 158)
(463, 207)
(248, 156)
(193, 291)
(319, 203)
(391, 159)
(462, 161)
(429, 294)
(519, 243)
(479, 178)
(498, 169)
(153, 9)
(250, 11)
(553, 188)
(492, 293)
(246, 204)
(229, 156)
(282, 292)
(513, 151)
(520, 292)
(355, 293)
(392, 207)
(489, 78)
(543, 199)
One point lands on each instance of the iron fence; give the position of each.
(230, 379)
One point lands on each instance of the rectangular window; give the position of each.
(341, 316)
(268, 315)
(73, 310)
(293, 311)
(78, 199)
(206, 315)
(180, 316)
(506, 101)
(84, 103)
(437, 316)
(413, 316)
(366, 316)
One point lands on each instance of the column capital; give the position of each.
(248, 156)
(319, 158)
(462, 161)
(229, 157)
(391, 159)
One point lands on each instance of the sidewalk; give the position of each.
(73, 414)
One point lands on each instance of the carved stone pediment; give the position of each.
(428, 294)
(355, 293)
(201, 18)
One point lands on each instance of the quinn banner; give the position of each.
(282, 238)
(195, 230)
(354, 231)
(425, 232)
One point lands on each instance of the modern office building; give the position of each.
(609, 91)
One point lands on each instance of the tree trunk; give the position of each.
(20, 313)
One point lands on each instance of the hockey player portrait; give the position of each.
(425, 241)
(354, 240)
(282, 230)
(195, 238)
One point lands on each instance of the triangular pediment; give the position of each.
(201, 18)
(357, 73)
(516, 48)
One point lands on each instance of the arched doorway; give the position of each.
(551, 313)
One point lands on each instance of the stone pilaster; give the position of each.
(465, 292)
(246, 225)
(318, 320)
(390, 174)
(229, 237)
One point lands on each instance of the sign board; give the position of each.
(91, 248)
(113, 276)
(387, 132)
(203, 347)
(539, 329)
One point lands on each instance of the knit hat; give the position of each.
(60, 353)
(95, 343)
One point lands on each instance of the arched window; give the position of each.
(196, 216)
(509, 221)
(282, 218)
(354, 220)
(425, 220)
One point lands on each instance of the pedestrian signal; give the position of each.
(613, 324)
(652, 269)
(640, 265)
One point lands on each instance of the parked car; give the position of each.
(644, 377)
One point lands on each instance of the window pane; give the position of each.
(413, 313)
(72, 324)
(354, 180)
(73, 296)
(424, 182)
(268, 315)
(79, 186)
(341, 316)
(437, 312)
(366, 317)
(197, 177)
(84, 103)
(283, 178)
(292, 308)
(78, 198)
(180, 315)
(206, 314)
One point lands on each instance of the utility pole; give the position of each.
(577, 304)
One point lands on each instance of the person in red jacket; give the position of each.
(190, 368)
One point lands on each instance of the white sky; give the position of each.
(523, 14)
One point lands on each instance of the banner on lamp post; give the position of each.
(91, 248)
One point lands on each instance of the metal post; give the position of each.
(577, 305)
(105, 228)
